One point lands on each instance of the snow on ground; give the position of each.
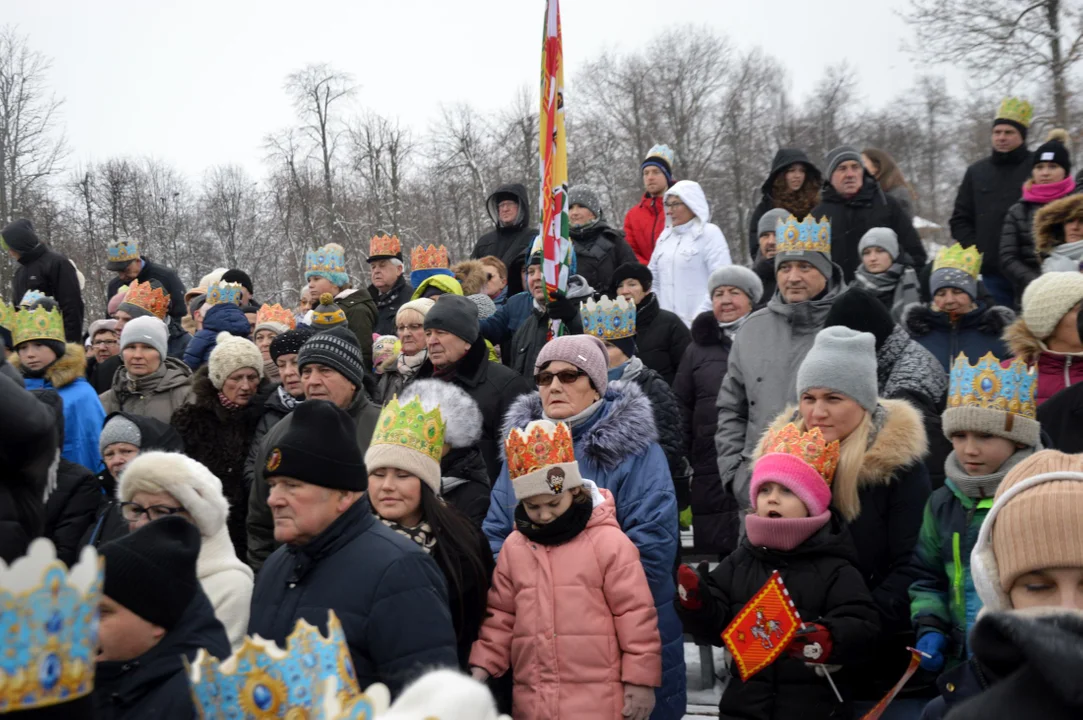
(703, 701)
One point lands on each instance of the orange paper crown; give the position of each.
(384, 245)
(152, 299)
(430, 258)
(275, 314)
(532, 451)
(820, 455)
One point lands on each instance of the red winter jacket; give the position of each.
(642, 226)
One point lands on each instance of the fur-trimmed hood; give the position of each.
(1022, 342)
(705, 330)
(189, 481)
(920, 319)
(900, 441)
(67, 368)
(624, 426)
(471, 276)
(1050, 220)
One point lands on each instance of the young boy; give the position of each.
(987, 443)
(894, 284)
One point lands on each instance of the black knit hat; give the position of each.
(632, 271)
(319, 448)
(19, 235)
(152, 571)
(861, 311)
(240, 277)
(456, 315)
(339, 350)
(1055, 152)
(290, 342)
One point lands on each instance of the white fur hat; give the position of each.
(187, 480)
(446, 694)
(462, 417)
(230, 354)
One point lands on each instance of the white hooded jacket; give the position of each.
(686, 255)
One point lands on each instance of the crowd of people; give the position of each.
(475, 473)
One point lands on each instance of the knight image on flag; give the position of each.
(764, 627)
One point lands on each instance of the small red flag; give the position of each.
(763, 628)
(878, 710)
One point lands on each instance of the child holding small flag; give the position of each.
(793, 530)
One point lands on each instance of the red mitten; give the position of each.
(688, 588)
(811, 644)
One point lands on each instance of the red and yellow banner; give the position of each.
(556, 245)
(763, 628)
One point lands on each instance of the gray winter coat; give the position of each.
(761, 378)
(155, 396)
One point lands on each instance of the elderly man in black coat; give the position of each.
(47, 271)
(389, 594)
(509, 240)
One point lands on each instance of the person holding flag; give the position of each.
(793, 530)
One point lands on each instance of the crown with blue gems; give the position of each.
(993, 386)
(957, 257)
(311, 679)
(793, 235)
(223, 292)
(123, 250)
(49, 626)
(328, 259)
(38, 324)
(30, 297)
(609, 319)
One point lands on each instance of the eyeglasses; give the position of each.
(673, 205)
(412, 327)
(103, 343)
(566, 377)
(133, 511)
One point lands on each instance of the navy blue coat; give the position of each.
(389, 595)
(499, 328)
(976, 333)
(225, 317)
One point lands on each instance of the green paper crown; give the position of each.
(7, 315)
(1016, 110)
(37, 324)
(409, 426)
(959, 258)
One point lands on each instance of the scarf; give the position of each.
(422, 534)
(730, 329)
(1049, 192)
(783, 534)
(408, 365)
(288, 401)
(1065, 257)
(578, 419)
(879, 283)
(585, 226)
(560, 530)
(980, 487)
(626, 370)
(227, 403)
(385, 300)
(447, 372)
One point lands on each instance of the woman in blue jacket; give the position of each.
(616, 444)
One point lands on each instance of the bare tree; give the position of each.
(231, 206)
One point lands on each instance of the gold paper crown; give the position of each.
(820, 455)
(224, 292)
(275, 314)
(7, 315)
(49, 626)
(609, 319)
(152, 299)
(123, 250)
(37, 324)
(385, 245)
(959, 258)
(991, 386)
(409, 426)
(807, 235)
(1017, 110)
(536, 449)
(430, 258)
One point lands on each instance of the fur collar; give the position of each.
(1050, 220)
(1022, 343)
(705, 330)
(471, 276)
(625, 425)
(920, 319)
(66, 370)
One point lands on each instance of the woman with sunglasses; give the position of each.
(616, 445)
(158, 484)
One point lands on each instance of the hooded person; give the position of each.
(42, 269)
(1046, 334)
(792, 187)
(221, 314)
(1058, 237)
(599, 248)
(154, 618)
(159, 483)
(687, 252)
(645, 221)
(325, 272)
(893, 284)
(512, 234)
(150, 382)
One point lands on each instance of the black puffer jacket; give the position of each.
(1019, 255)
(990, 186)
(661, 338)
(464, 481)
(51, 273)
(852, 217)
(668, 420)
(534, 331)
(599, 251)
(715, 513)
(826, 588)
(784, 158)
(28, 449)
(1062, 416)
(169, 280)
(220, 438)
(512, 242)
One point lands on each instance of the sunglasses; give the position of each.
(566, 377)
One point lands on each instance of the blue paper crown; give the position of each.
(221, 292)
(123, 250)
(792, 235)
(989, 385)
(665, 152)
(325, 260)
(31, 297)
(49, 626)
(609, 319)
(312, 678)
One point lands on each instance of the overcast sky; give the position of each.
(199, 82)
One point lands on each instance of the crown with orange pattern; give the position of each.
(385, 247)
(541, 459)
(428, 258)
(811, 447)
(274, 317)
(143, 295)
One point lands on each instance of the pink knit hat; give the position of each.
(116, 300)
(795, 474)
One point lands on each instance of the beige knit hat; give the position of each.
(230, 354)
(1035, 523)
(1048, 299)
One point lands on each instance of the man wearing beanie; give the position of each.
(792, 187)
(389, 595)
(331, 368)
(661, 336)
(457, 354)
(991, 186)
(43, 269)
(1046, 334)
(154, 615)
(646, 221)
(1027, 567)
(512, 234)
(599, 248)
(853, 202)
(894, 284)
(766, 247)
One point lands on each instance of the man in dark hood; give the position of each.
(509, 240)
(43, 269)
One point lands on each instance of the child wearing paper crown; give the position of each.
(570, 609)
(988, 440)
(792, 529)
